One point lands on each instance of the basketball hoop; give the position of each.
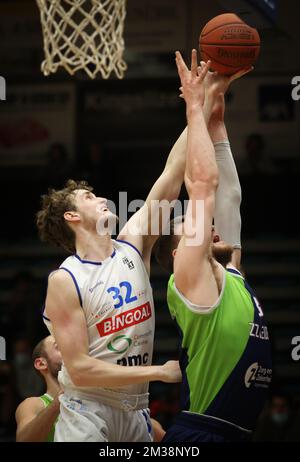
(83, 35)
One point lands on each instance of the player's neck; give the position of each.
(92, 247)
(52, 386)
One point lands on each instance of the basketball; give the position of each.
(229, 43)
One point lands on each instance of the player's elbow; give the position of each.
(77, 376)
(77, 372)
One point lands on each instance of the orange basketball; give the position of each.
(229, 43)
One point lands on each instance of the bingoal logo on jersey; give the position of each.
(121, 321)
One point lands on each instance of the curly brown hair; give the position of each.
(50, 220)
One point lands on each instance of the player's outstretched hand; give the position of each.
(216, 86)
(192, 81)
(171, 372)
(216, 83)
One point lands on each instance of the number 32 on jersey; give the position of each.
(122, 294)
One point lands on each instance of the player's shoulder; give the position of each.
(32, 405)
(65, 270)
(124, 244)
(58, 276)
(234, 271)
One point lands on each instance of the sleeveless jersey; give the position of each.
(47, 399)
(116, 297)
(224, 353)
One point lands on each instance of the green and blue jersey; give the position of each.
(224, 353)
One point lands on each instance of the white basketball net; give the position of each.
(83, 34)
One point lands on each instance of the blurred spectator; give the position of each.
(58, 167)
(256, 161)
(27, 382)
(279, 422)
(24, 307)
(256, 176)
(8, 402)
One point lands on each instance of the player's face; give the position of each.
(214, 236)
(221, 251)
(179, 230)
(91, 208)
(54, 359)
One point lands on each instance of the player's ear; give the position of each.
(174, 253)
(72, 216)
(40, 364)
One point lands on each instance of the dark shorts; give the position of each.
(196, 428)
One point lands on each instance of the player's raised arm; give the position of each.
(192, 266)
(70, 332)
(145, 226)
(227, 216)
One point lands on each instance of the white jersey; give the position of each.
(116, 297)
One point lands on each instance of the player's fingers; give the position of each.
(204, 70)
(181, 66)
(202, 64)
(194, 64)
(179, 69)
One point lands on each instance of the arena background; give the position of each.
(117, 135)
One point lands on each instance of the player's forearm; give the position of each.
(210, 99)
(96, 373)
(216, 124)
(201, 165)
(39, 428)
(217, 131)
(177, 157)
(228, 197)
(176, 161)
